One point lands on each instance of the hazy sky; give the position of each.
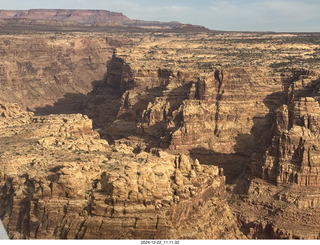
(242, 15)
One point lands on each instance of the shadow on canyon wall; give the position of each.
(248, 147)
(102, 104)
(109, 107)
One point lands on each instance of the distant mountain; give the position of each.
(160, 25)
(90, 17)
(79, 16)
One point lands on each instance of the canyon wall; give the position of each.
(39, 69)
(292, 156)
(173, 113)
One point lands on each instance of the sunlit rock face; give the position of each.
(131, 133)
(60, 180)
(80, 16)
(292, 156)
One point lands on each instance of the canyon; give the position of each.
(121, 132)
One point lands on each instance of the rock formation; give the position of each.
(85, 17)
(38, 69)
(173, 112)
(80, 16)
(288, 159)
(293, 154)
(60, 180)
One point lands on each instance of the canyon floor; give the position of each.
(117, 132)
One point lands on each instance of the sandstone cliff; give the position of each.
(60, 180)
(286, 157)
(86, 18)
(80, 16)
(169, 101)
(37, 70)
(293, 155)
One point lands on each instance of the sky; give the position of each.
(229, 15)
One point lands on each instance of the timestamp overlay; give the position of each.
(160, 242)
(190, 242)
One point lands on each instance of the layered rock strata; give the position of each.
(170, 76)
(39, 69)
(58, 179)
(85, 18)
(189, 100)
(267, 211)
(293, 155)
(81, 16)
(238, 100)
(283, 204)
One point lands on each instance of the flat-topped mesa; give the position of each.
(294, 155)
(77, 15)
(90, 17)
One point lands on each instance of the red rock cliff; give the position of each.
(81, 16)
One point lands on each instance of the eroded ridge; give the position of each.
(60, 180)
(172, 110)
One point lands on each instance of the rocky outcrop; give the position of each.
(119, 75)
(283, 202)
(58, 179)
(293, 154)
(268, 211)
(11, 115)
